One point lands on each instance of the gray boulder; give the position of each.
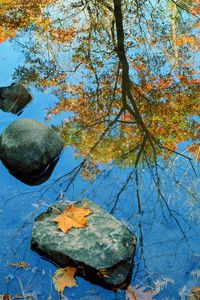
(103, 252)
(14, 98)
(28, 146)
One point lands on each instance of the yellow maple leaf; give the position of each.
(64, 277)
(72, 216)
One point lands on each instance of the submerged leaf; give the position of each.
(20, 264)
(140, 293)
(64, 278)
(72, 216)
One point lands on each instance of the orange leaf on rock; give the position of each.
(72, 216)
(64, 278)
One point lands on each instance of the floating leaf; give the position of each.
(72, 216)
(20, 296)
(19, 264)
(64, 278)
(5, 297)
(195, 294)
(140, 293)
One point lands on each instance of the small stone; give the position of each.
(28, 146)
(103, 252)
(14, 98)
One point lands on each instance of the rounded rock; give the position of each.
(14, 98)
(28, 146)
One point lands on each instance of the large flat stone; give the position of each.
(103, 251)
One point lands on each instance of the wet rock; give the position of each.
(36, 179)
(14, 98)
(28, 147)
(103, 252)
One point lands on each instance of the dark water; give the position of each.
(83, 63)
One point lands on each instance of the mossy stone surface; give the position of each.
(103, 251)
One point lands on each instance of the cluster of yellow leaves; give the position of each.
(61, 35)
(195, 150)
(184, 39)
(167, 119)
(15, 15)
(168, 116)
(53, 81)
(6, 34)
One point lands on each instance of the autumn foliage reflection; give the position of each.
(16, 15)
(138, 95)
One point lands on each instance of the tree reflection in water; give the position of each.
(126, 80)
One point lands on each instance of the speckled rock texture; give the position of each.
(28, 146)
(103, 252)
(14, 98)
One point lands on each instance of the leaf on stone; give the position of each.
(64, 277)
(73, 216)
(140, 293)
(19, 264)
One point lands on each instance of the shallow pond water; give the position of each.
(123, 90)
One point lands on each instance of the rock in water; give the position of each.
(28, 146)
(103, 252)
(14, 98)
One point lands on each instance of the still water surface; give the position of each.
(123, 90)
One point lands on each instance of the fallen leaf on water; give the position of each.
(20, 296)
(5, 297)
(140, 293)
(195, 294)
(64, 278)
(19, 264)
(72, 216)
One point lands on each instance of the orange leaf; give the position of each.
(195, 150)
(64, 278)
(72, 216)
